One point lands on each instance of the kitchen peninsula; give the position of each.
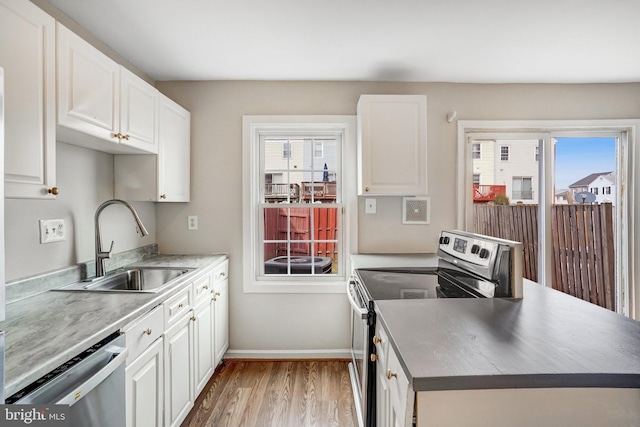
(520, 355)
(546, 359)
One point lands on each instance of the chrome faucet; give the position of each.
(100, 255)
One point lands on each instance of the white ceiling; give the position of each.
(477, 41)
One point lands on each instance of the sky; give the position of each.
(579, 157)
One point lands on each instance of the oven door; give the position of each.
(359, 347)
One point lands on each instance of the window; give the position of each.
(476, 179)
(536, 153)
(606, 190)
(477, 154)
(522, 189)
(318, 149)
(504, 153)
(594, 190)
(286, 150)
(296, 226)
(566, 151)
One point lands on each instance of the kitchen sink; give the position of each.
(130, 279)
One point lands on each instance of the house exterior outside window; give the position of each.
(286, 150)
(522, 188)
(504, 153)
(476, 151)
(318, 149)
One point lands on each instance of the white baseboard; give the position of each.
(288, 354)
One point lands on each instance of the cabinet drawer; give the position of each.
(176, 306)
(202, 288)
(381, 342)
(140, 333)
(221, 272)
(398, 386)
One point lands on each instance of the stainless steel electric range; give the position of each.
(468, 266)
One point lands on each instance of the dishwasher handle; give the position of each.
(85, 388)
(364, 313)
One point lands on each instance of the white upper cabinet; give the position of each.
(174, 152)
(99, 99)
(27, 54)
(138, 112)
(392, 145)
(165, 177)
(88, 87)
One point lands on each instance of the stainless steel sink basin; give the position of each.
(131, 279)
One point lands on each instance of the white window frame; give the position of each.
(255, 127)
(627, 214)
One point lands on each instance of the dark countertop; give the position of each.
(546, 339)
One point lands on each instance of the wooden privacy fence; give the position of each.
(280, 221)
(583, 249)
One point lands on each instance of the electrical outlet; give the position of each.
(52, 230)
(192, 222)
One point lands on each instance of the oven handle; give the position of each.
(364, 313)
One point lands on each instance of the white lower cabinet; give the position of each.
(178, 370)
(145, 370)
(221, 314)
(394, 395)
(144, 388)
(203, 343)
(174, 350)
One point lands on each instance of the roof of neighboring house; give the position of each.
(588, 179)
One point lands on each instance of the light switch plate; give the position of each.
(370, 206)
(52, 230)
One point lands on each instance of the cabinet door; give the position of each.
(392, 145)
(383, 399)
(144, 389)
(138, 112)
(178, 371)
(88, 88)
(221, 312)
(174, 136)
(203, 343)
(27, 55)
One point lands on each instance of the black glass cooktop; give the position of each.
(423, 283)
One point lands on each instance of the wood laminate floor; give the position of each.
(297, 393)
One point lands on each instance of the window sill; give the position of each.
(337, 286)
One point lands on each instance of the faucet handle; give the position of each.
(108, 254)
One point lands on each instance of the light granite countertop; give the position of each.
(45, 330)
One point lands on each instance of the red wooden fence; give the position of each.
(278, 222)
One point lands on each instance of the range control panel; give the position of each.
(468, 248)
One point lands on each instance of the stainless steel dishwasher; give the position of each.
(92, 384)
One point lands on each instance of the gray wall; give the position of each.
(85, 179)
(272, 321)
